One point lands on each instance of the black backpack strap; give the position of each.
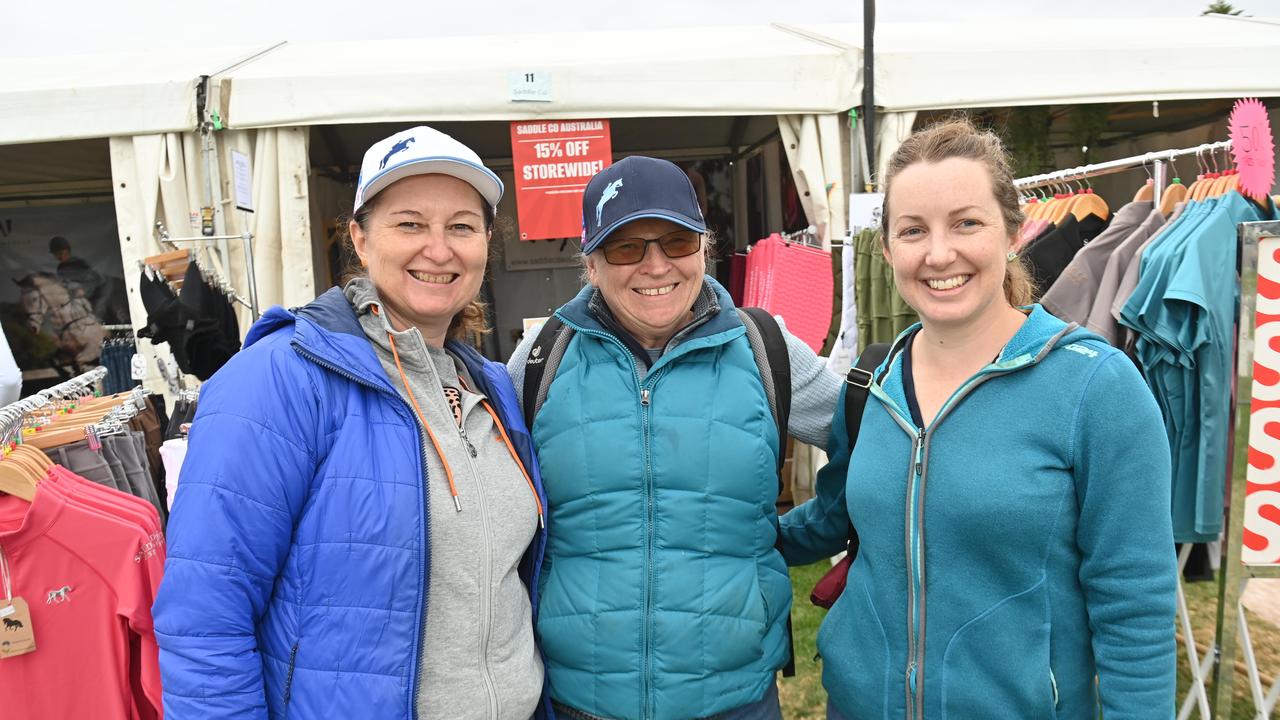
(857, 387)
(535, 367)
(770, 350)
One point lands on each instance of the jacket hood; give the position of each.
(329, 329)
(1041, 333)
(1038, 336)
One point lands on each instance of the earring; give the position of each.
(1012, 256)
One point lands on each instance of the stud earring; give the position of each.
(1012, 256)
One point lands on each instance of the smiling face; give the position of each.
(425, 246)
(947, 242)
(653, 298)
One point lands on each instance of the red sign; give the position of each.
(1262, 479)
(553, 162)
(1253, 148)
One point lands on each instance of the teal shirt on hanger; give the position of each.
(1184, 310)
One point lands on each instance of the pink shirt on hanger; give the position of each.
(89, 579)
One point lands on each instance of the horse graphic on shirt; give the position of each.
(398, 147)
(58, 596)
(610, 192)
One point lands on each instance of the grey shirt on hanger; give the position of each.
(1071, 296)
(1101, 320)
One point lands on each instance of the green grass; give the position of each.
(803, 697)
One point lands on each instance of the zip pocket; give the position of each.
(288, 678)
(1053, 681)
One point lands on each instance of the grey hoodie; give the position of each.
(478, 656)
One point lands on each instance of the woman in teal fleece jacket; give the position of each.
(1010, 484)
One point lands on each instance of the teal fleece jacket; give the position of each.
(1011, 551)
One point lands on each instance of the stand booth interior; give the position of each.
(757, 110)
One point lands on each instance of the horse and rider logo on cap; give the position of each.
(398, 147)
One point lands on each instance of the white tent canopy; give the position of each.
(747, 70)
(1007, 63)
(762, 70)
(77, 97)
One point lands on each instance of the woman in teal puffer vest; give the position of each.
(1010, 484)
(663, 595)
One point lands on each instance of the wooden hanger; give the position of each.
(1090, 203)
(1147, 192)
(37, 456)
(1197, 185)
(171, 265)
(34, 469)
(17, 480)
(1060, 208)
(1174, 194)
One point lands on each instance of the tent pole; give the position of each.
(869, 85)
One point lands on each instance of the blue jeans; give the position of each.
(766, 708)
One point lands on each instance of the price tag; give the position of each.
(16, 634)
(865, 210)
(529, 86)
(242, 172)
(138, 367)
(1253, 147)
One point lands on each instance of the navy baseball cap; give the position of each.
(637, 187)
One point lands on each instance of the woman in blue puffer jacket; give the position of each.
(358, 526)
(1010, 484)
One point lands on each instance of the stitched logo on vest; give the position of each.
(1077, 348)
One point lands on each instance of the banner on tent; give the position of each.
(553, 162)
(1262, 490)
(61, 280)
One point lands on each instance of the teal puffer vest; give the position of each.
(663, 595)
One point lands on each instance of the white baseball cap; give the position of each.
(423, 151)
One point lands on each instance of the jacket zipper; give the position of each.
(645, 394)
(913, 563)
(486, 609)
(415, 669)
(916, 590)
(288, 678)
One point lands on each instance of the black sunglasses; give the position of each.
(631, 250)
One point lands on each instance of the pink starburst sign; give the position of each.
(1253, 147)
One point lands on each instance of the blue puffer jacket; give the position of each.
(663, 595)
(1012, 550)
(298, 549)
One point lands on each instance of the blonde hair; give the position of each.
(471, 323)
(960, 138)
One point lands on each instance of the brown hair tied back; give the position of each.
(471, 323)
(959, 138)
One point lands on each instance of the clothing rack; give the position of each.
(1234, 575)
(806, 236)
(246, 237)
(1156, 160)
(11, 415)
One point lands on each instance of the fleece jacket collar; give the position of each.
(1040, 334)
(715, 320)
(328, 329)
